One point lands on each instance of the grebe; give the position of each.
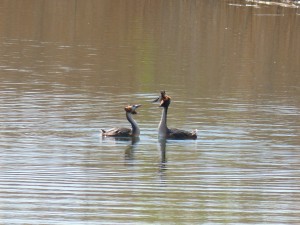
(125, 132)
(163, 130)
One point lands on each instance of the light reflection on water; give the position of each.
(55, 168)
(54, 163)
(61, 168)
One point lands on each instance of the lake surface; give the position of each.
(68, 69)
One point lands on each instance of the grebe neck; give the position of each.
(135, 127)
(162, 127)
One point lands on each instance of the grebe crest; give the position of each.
(131, 109)
(164, 99)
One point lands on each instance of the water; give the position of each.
(67, 69)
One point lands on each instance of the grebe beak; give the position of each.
(134, 107)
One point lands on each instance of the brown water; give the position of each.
(67, 69)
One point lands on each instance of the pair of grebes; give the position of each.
(163, 130)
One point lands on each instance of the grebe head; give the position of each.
(131, 108)
(164, 99)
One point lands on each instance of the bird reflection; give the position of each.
(129, 151)
(163, 158)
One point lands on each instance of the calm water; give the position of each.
(68, 68)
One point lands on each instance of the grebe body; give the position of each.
(163, 130)
(122, 131)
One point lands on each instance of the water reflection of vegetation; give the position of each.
(282, 3)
